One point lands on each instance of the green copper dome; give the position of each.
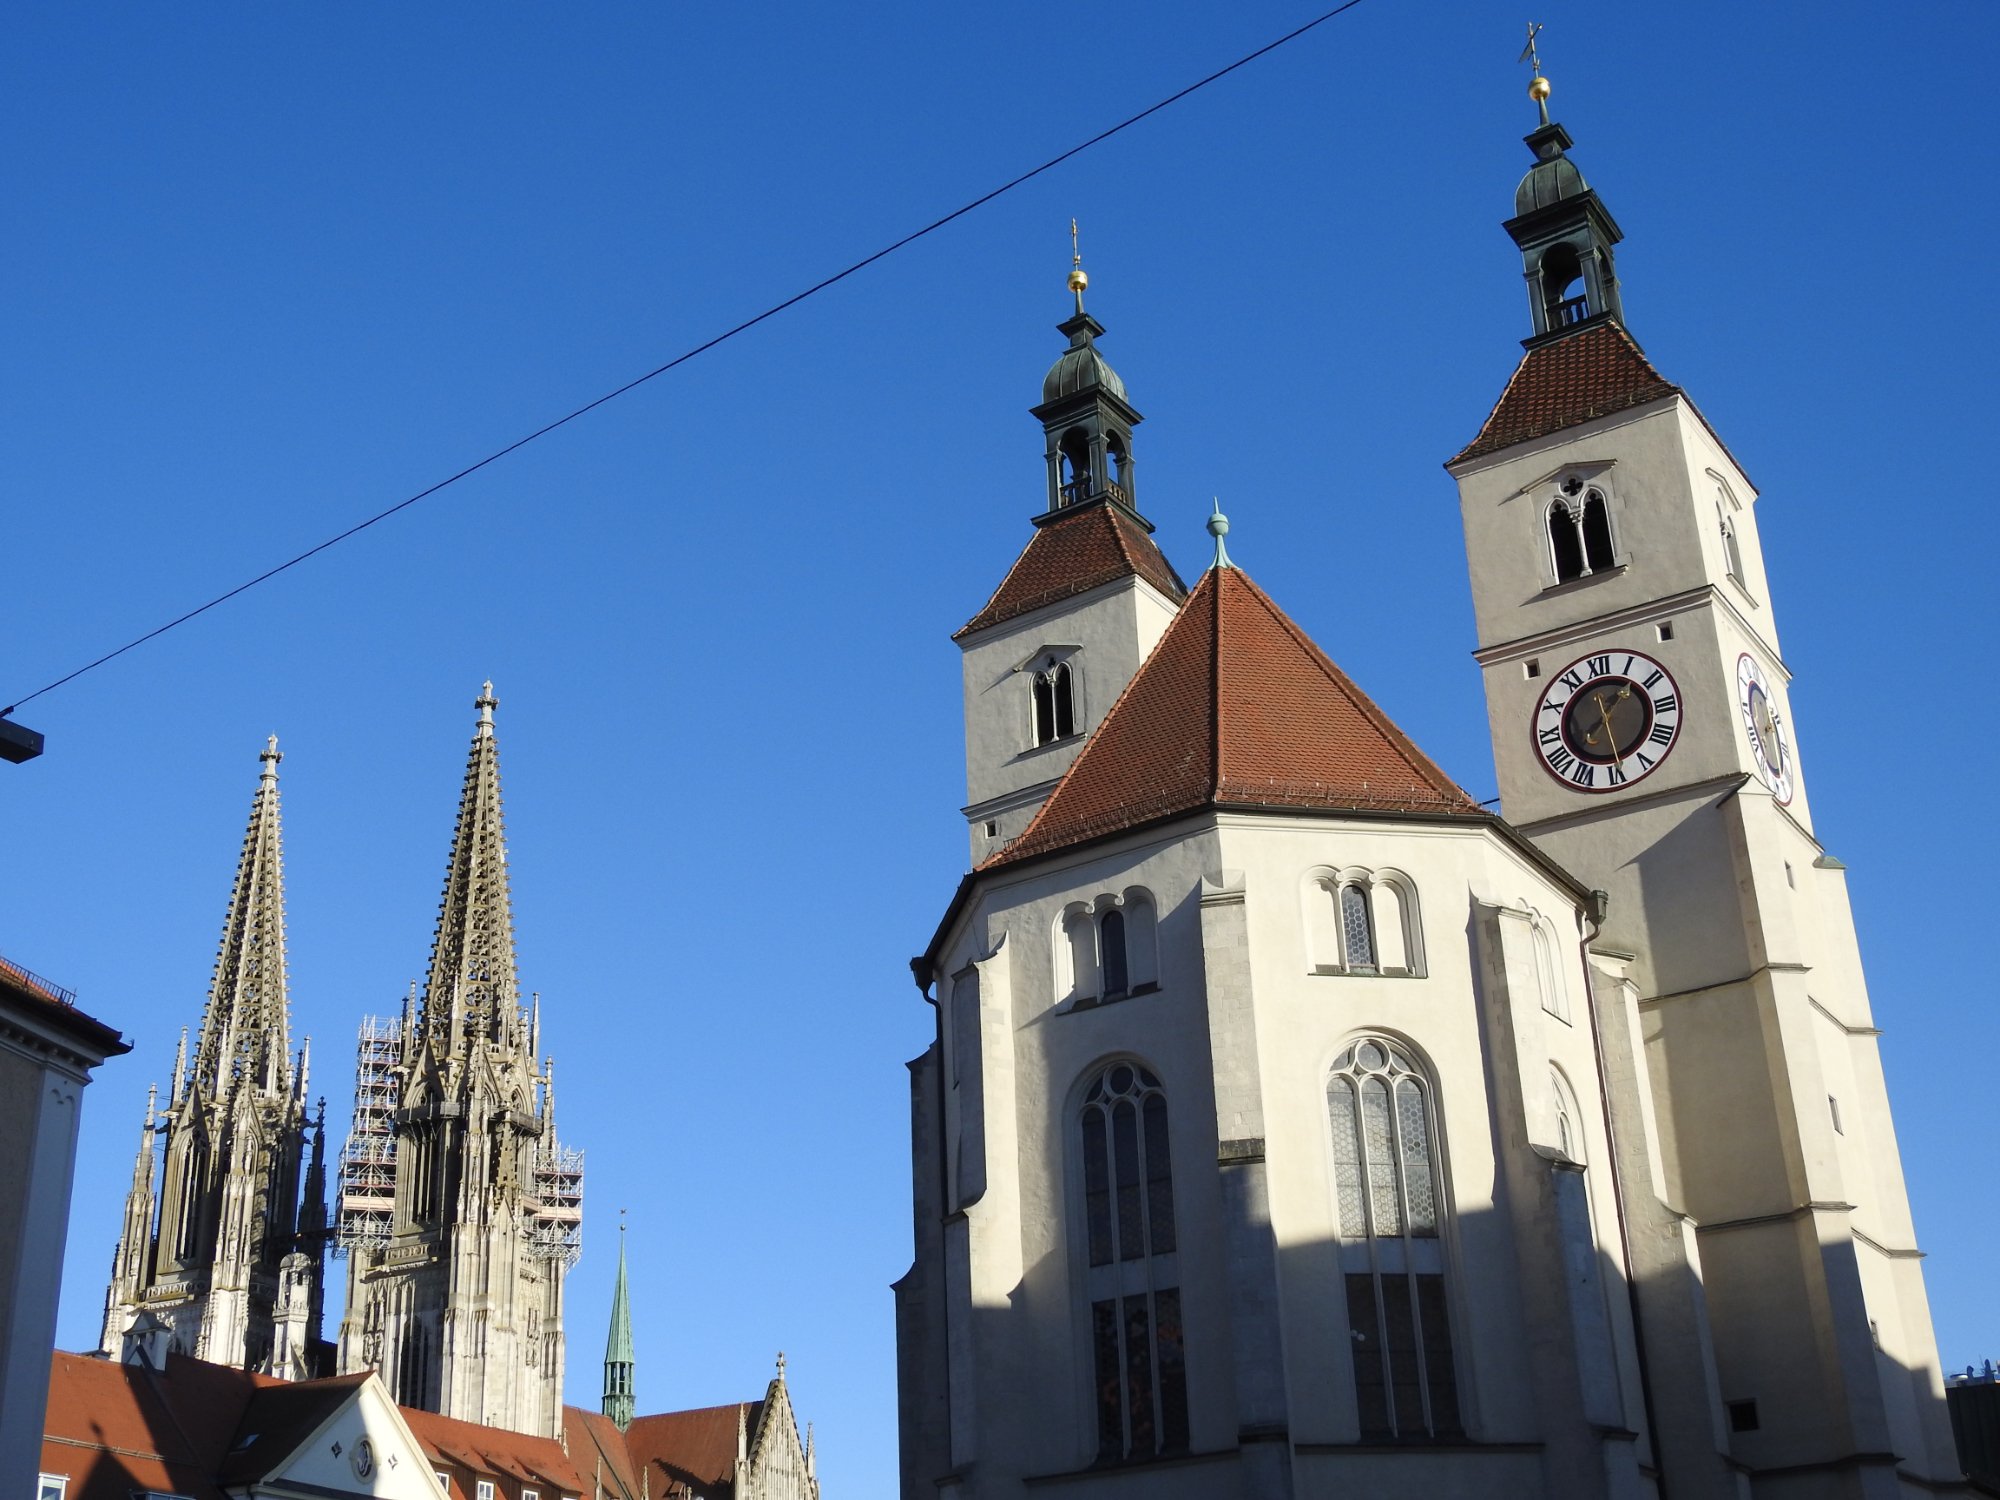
(1081, 368)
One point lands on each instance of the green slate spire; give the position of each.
(618, 1356)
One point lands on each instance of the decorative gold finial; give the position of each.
(1077, 279)
(1538, 86)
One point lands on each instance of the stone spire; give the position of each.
(619, 1360)
(473, 990)
(203, 1254)
(458, 1297)
(243, 1040)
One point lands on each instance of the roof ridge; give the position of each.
(1406, 748)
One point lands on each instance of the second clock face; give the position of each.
(1607, 720)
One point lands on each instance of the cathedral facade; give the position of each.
(1297, 1126)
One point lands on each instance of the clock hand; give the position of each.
(1610, 735)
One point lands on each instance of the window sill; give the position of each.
(1328, 971)
(1571, 585)
(1098, 1002)
(1056, 744)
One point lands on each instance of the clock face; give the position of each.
(1769, 749)
(363, 1459)
(1606, 721)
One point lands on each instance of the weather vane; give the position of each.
(1538, 86)
(1077, 280)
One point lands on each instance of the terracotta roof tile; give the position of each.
(1235, 707)
(1073, 553)
(696, 1447)
(1592, 373)
(116, 1428)
(494, 1451)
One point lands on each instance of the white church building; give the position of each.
(1297, 1126)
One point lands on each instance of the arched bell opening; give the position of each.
(1564, 298)
(1074, 482)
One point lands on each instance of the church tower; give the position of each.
(214, 1247)
(459, 1303)
(1640, 709)
(620, 1361)
(1080, 608)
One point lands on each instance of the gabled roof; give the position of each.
(696, 1447)
(496, 1451)
(1071, 554)
(278, 1418)
(1592, 373)
(1235, 707)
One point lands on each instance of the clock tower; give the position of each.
(1640, 707)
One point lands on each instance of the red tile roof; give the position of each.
(1073, 553)
(696, 1448)
(487, 1452)
(1592, 373)
(55, 1006)
(115, 1428)
(277, 1419)
(1235, 707)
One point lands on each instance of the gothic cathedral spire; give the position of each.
(206, 1253)
(619, 1359)
(455, 1294)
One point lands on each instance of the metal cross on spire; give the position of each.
(1528, 53)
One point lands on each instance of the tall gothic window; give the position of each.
(1732, 555)
(1132, 1281)
(1389, 1196)
(1055, 703)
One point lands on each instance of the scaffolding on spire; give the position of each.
(368, 1160)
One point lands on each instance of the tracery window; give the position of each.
(1055, 702)
(1579, 529)
(1389, 1197)
(1132, 1278)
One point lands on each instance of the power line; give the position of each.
(699, 349)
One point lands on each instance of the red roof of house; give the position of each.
(115, 1428)
(1235, 707)
(1071, 554)
(1592, 373)
(56, 1006)
(694, 1447)
(495, 1451)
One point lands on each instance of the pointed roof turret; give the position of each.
(473, 990)
(243, 1037)
(1236, 707)
(620, 1362)
(1085, 414)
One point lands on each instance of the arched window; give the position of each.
(1565, 542)
(1111, 945)
(1357, 930)
(1569, 1126)
(1076, 485)
(1560, 271)
(1117, 468)
(1596, 532)
(1132, 1280)
(1548, 975)
(1055, 702)
(1389, 1197)
(1732, 555)
(1362, 922)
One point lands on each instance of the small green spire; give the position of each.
(619, 1359)
(1218, 527)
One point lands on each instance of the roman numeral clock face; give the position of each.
(1607, 721)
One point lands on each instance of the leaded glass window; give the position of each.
(1357, 931)
(1388, 1205)
(1132, 1279)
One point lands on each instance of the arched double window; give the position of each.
(1389, 1197)
(1362, 922)
(1131, 1276)
(1579, 530)
(1055, 701)
(1108, 949)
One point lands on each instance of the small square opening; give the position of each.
(1743, 1416)
(1666, 630)
(992, 829)
(1532, 667)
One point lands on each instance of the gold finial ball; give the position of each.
(1538, 88)
(1077, 280)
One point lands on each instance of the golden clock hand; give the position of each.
(1610, 734)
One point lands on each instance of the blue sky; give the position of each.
(273, 268)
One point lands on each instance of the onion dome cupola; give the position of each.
(1085, 413)
(1565, 234)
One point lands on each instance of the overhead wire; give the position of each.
(699, 349)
